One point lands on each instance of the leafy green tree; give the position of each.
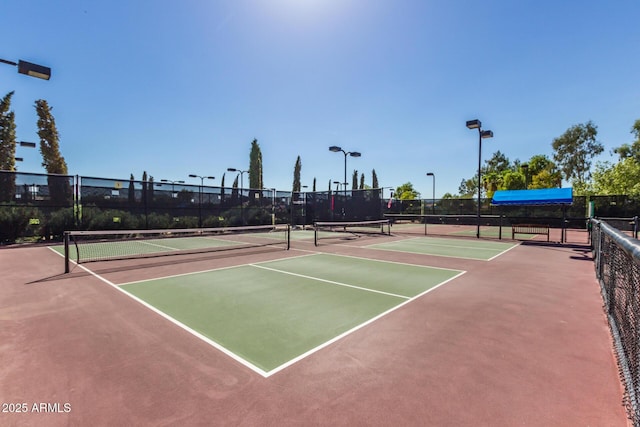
(362, 181)
(631, 150)
(296, 175)
(314, 184)
(622, 177)
(542, 173)
(406, 192)
(7, 148)
(618, 179)
(374, 179)
(354, 180)
(468, 187)
(59, 188)
(497, 163)
(574, 150)
(491, 182)
(511, 180)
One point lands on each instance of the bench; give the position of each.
(529, 229)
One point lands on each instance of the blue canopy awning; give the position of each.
(544, 196)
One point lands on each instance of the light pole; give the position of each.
(29, 69)
(476, 124)
(433, 202)
(202, 178)
(337, 149)
(173, 194)
(241, 190)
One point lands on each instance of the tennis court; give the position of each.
(268, 314)
(359, 330)
(458, 248)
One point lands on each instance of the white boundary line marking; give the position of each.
(178, 323)
(356, 328)
(503, 252)
(155, 244)
(239, 359)
(329, 281)
(205, 271)
(442, 242)
(373, 246)
(390, 262)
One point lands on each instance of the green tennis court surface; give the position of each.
(459, 248)
(272, 313)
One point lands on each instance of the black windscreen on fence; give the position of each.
(41, 206)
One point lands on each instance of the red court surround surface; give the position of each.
(518, 341)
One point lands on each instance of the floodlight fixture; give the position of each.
(486, 134)
(30, 69)
(474, 124)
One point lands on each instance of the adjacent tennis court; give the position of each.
(458, 248)
(269, 314)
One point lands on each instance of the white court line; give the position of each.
(206, 271)
(177, 323)
(239, 359)
(155, 244)
(329, 281)
(438, 244)
(356, 328)
(373, 246)
(503, 252)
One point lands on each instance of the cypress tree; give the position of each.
(52, 160)
(7, 148)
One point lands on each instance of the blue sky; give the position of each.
(174, 87)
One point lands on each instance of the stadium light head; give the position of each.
(19, 159)
(27, 144)
(486, 134)
(193, 175)
(335, 148)
(29, 69)
(210, 177)
(232, 170)
(355, 154)
(474, 124)
(430, 174)
(34, 70)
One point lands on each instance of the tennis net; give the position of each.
(88, 246)
(349, 229)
